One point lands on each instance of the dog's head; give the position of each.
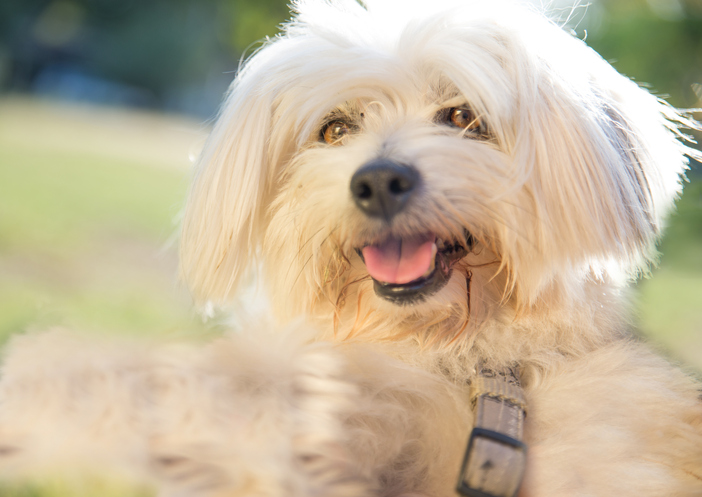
(406, 165)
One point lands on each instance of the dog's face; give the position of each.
(425, 166)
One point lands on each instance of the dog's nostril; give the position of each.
(364, 191)
(382, 187)
(398, 186)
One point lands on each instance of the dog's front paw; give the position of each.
(248, 419)
(258, 417)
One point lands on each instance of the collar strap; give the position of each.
(496, 455)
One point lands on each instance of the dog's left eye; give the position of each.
(463, 118)
(334, 132)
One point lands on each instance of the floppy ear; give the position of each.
(606, 168)
(646, 160)
(224, 217)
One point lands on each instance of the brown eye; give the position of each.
(333, 132)
(463, 118)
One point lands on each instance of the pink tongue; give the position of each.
(400, 260)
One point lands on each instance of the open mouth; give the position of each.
(407, 270)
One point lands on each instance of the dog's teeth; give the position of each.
(432, 265)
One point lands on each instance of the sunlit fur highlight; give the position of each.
(568, 136)
(565, 198)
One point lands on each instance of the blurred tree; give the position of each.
(153, 46)
(161, 46)
(655, 42)
(252, 21)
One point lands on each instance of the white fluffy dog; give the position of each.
(451, 193)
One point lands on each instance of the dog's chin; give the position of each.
(406, 271)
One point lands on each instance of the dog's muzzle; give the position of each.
(406, 269)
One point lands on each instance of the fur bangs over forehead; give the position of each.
(587, 163)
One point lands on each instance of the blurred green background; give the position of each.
(104, 103)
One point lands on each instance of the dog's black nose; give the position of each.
(382, 187)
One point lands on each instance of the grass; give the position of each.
(85, 487)
(670, 302)
(65, 199)
(84, 233)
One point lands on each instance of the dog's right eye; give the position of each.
(334, 132)
(465, 119)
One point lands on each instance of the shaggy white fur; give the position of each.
(549, 172)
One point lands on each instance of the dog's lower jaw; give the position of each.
(419, 289)
(444, 256)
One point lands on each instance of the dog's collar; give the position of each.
(495, 459)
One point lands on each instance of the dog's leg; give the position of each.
(237, 417)
(411, 426)
(618, 421)
(278, 434)
(240, 417)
